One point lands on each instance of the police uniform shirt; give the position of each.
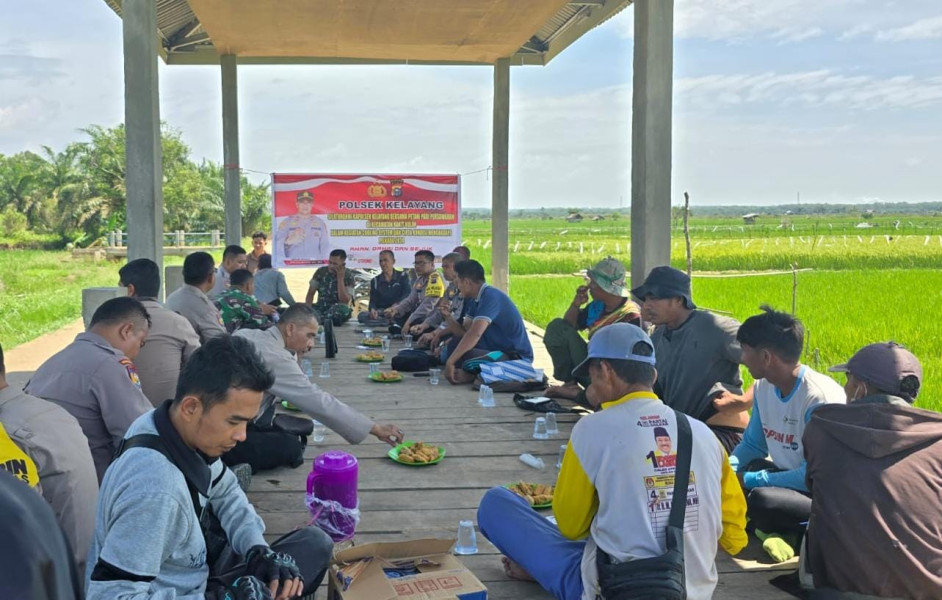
(303, 237)
(170, 342)
(221, 284)
(52, 438)
(99, 386)
(199, 310)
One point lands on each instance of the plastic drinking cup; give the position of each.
(385, 343)
(434, 375)
(407, 341)
(367, 333)
(562, 452)
(320, 430)
(374, 368)
(539, 429)
(551, 427)
(307, 367)
(467, 540)
(325, 370)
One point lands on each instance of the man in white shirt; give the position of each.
(609, 495)
(770, 458)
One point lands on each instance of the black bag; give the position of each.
(661, 577)
(411, 361)
(330, 340)
(551, 405)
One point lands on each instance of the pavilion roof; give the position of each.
(529, 32)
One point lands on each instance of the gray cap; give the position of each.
(616, 342)
(666, 282)
(884, 365)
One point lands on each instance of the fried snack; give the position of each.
(372, 341)
(533, 493)
(388, 375)
(371, 355)
(419, 452)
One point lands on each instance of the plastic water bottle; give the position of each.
(534, 461)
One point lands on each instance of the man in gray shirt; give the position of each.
(191, 300)
(233, 259)
(171, 339)
(94, 379)
(171, 519)
(278, 345)
(698, 356)
(270, 285)
(52, 438)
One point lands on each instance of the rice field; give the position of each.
(863, 288)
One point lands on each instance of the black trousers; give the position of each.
(310, 547)
(776, 509)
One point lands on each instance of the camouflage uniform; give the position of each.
(241, 311)
(328, 300)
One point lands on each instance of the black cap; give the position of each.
(666, 282)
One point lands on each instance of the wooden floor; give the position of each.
(483, 444)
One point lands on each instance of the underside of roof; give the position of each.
(470, 32)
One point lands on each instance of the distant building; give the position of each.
(597, 218)
(574, 218)
(750, 219)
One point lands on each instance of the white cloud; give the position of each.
(923, 29)
(26, 113)
(791, 35)
(855, 32)
(819, 88)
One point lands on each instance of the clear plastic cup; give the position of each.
(320, 337)
(367, 333)
(434, 375)
(486, 396)
(539, 429)
(534, 461)
(325, 370)
(551, 427)
(467, 540)
(307, 367)
(320, 430)
(374, 368)
(562, 453)
(407, 341)
(385, 341)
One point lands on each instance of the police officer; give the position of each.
(191, 300)
(171, 339)
(53, 441)
(303, 235)
(94, 379)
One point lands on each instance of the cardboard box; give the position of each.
(440, 575)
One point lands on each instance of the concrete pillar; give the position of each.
(230, 148)
(94, 297)
(173, 278)
(500, 238)
(144, 176)
(651, 137)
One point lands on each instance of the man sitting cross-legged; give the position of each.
(615, 485)
(610, 304)
(492, 324)
(238, 306)
(172, 521)
(769, 459)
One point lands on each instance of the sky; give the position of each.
(838, 101)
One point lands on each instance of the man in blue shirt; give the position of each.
(492, 324)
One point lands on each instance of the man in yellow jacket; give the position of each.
(612, 494)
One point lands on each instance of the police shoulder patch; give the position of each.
(132, 371)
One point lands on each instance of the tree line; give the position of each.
(78, 194)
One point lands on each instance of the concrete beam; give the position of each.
(230, 149)
(651, 137)
(500, 237)
(144, 159)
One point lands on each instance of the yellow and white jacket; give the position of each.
(615, 487)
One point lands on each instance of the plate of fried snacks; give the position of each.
(386, 376)
(373, 342)
(417, 454)
(370, 357)
(539, 495)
